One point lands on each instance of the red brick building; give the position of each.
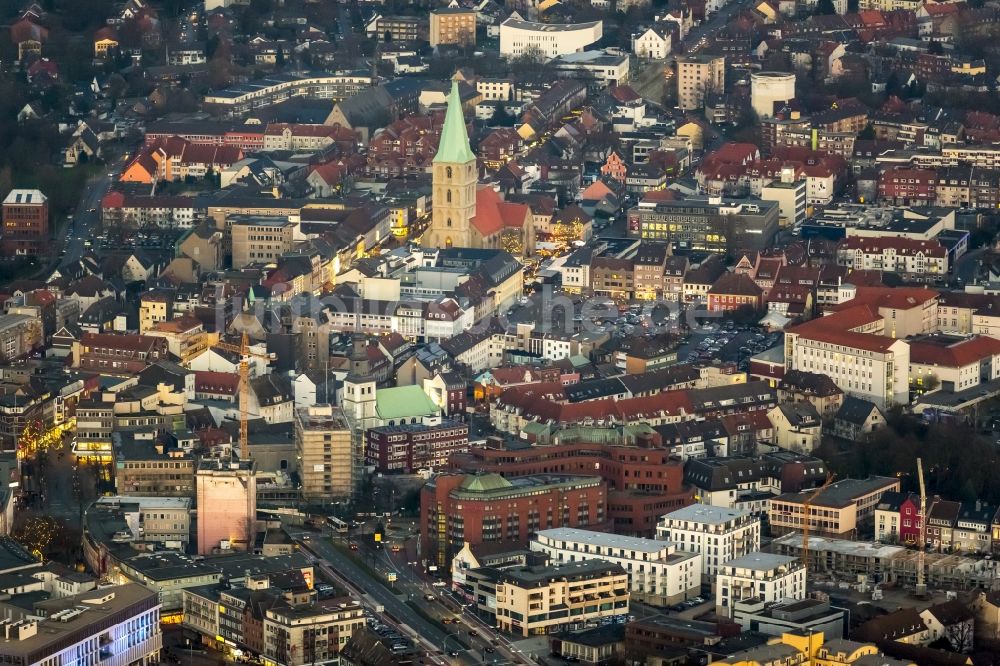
(409, 447)
(733, 291)
(499, 147)
(905, 186)
(25, 223)
(643, 482)
(487, 508)
(406, 147)
(118, 354)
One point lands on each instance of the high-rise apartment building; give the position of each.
(25, 223)
(323, 445)
(698, 75)
(453, 25)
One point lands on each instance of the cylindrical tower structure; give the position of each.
(766, 88)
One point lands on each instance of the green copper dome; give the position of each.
(454, 145)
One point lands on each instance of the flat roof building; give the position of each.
(114, 626)
(658, 573)
(535, 600)
(838, 511)
(706, 224)
(718, 534)
(518, 37)
(763, 576)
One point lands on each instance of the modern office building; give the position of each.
(113, 626)
(706, 224)
(518, 37)
(460, 509)
(841, 509)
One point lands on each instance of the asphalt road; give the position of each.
(343, 567)
(86, 224)
(476, 633)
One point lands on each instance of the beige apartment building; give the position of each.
(540, 599)
(453, 25)
(838, 511)
(323, 445)
(260, 239)
(299, 635)
(154, 308)
(186, 337)
(19, 334)
(696, 76)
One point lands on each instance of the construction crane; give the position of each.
(243, 349)
(921, 589)
(806, 507)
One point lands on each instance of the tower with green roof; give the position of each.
(454, 176)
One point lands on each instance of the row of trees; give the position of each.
(958, 463)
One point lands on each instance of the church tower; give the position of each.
(455, 178)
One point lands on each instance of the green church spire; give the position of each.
(454, 145)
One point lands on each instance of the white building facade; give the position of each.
(518, 37)
(658, 574)
(762, 576)
(718, 534)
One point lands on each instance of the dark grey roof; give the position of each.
(855, 410)
(664, 379)
(811, 383)
(745, 396)
(594, 389)
(800, 414)
(596, 637)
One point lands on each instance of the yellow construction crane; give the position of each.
(806, 507)
(921, 588)
(243, 349)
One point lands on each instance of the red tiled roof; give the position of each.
(494, 214)
(123, 342)
(624, 94)
(735, 284)
(206, 381)
(27, 30)
(598, 190)
(900, 298)
(901, 246)
(867, 341)
(106, 32)
(956, 355)
(535, 402)
(942, 9)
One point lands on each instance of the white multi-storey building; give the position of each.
(518, 37)
(658, 573)
(762, 576)
(899, 255)
(718, 534)
(870, 367)
(113, 626)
